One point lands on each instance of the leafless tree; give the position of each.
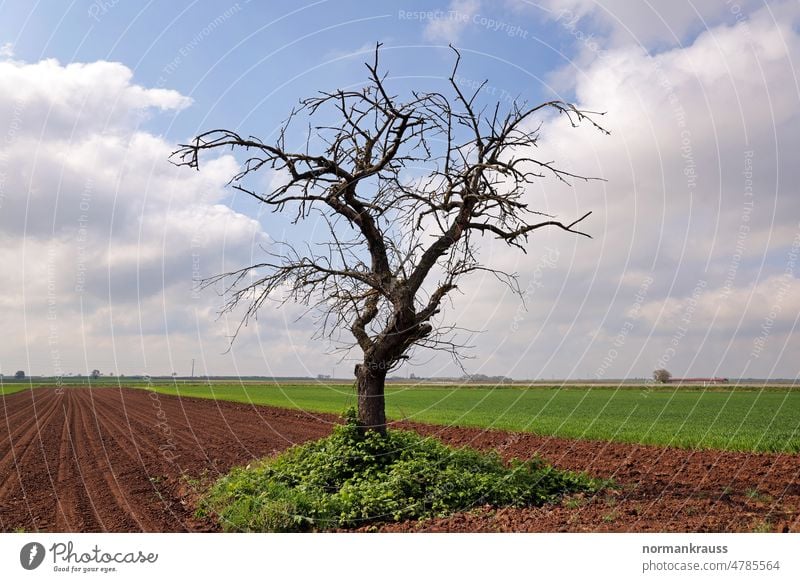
(401, 238)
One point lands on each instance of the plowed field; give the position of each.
(119, 459)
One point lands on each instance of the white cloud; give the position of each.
(744, 309)
(7, 49)
(69, 102)
(104, 237)
(701, 173)
(449, 26)
(646, 24)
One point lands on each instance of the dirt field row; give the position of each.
(657, 488)
(111, 459)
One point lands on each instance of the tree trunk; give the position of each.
(370, 380)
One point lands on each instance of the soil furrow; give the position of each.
(102, 482)
(25, 470)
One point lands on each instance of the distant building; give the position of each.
(323, 376)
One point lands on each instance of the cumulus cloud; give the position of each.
(79, 99)
(104, 238)
(646, 24)
(699, 194)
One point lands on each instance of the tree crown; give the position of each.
(403, 186)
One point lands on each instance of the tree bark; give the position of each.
(370, 381)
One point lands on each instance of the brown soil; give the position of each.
(656, 489)
(110, 459)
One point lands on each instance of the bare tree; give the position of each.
(400, 238)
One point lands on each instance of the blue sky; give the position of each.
(234, 57)
(108, 238)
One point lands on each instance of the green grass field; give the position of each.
(11, 388)
(747, 420)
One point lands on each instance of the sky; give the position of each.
(695, 251)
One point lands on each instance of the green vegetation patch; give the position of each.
(351, 479)
(7, 389)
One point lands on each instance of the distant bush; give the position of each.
(661, 375)
(350, 479)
